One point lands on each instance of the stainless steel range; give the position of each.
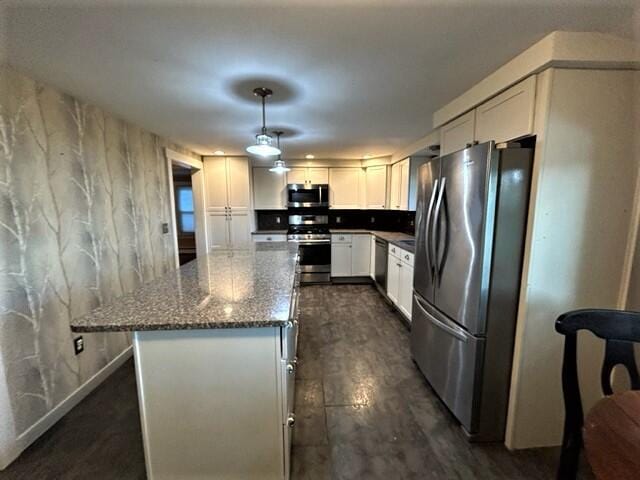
(312, 233)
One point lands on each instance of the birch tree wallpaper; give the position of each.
(82, 199)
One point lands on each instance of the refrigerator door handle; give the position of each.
(428, 244)
(454, 330)
(435, 237)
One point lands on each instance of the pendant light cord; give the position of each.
(264, 117)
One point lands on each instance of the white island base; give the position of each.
(218, 403)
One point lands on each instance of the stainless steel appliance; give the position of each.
(312, 234)
(470, 226)
(380, 272)
(306, 195)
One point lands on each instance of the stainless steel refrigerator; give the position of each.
(470, 226)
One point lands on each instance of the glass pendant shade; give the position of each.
(263, 146)
(279, 167)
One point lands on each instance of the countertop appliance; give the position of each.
(380, 273)
(470, 227)
(306, 195)
(312, 234)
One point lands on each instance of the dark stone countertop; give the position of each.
(395, 238)
(269, 232)
(225, 289)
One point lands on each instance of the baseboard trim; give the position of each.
(60, 410)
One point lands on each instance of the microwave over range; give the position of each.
(306, 195)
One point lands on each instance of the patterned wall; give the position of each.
(82, 198)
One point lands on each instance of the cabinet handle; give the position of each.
(268, 239)
(291, 420)
(399, 264)
(407, 257)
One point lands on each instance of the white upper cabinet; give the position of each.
(227, 181)
(268, 189)
(458, 133)
(317, 175)
(312, 175)
(399, 198)
(509, 115)
(215, 171)
(297, 175)
(376, 187)
(344, 188)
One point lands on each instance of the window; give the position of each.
(184, 207)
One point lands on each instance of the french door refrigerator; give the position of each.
(470, 226)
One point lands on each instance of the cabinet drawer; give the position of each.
(341, 238)
(406, 257)
(268, 237)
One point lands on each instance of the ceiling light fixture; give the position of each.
(278, 164)
(309, 156)
(263, 146)
(367, 156)
(218, 152)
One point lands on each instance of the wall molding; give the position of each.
(47, 421)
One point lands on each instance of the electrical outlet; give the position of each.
(277, 219)
(373, 219)
(338, 219)
(78, 345)
(165, 228)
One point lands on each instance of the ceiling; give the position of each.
(349, 77)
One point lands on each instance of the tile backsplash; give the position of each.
(389, 220)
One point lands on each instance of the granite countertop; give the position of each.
(395, 238)
(226, 289)
(267, 232)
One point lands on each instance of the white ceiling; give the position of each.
(350, 77)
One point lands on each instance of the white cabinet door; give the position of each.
(341, 259)
(509, 115)
(372, 253)
(344, 187)
(215, 173)
(238, 183)
(297, 175)
(317, 175)
(239, 230)
(218, 230)
(458, 133)
(360, 255)
(268, 189)
(396, 181)
(405, 290)
(376, 187)
(393, 278)
(404, 184)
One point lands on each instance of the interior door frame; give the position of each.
(199, 205)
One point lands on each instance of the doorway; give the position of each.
(188, 219)
(184, 213)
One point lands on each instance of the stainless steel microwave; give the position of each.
(306, 195)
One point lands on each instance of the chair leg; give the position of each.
(570, 456)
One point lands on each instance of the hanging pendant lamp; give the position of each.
(278, 164)
(263, 146)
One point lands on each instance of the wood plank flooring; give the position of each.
(363, 411)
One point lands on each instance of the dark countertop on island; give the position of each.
(395, 238)
(225, 289)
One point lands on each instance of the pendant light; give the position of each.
(263, 146)
(278, 164)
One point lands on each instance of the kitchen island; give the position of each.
(214, 347)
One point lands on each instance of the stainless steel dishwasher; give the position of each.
(381, 265)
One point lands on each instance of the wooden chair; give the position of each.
(619, 329)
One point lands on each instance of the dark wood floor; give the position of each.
(363, 411)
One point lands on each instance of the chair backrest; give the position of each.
(619, 330)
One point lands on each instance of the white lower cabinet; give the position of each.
(372, 256)
(341, 259)
(350, 255)
(400, 279)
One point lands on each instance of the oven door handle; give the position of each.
(314, 242)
